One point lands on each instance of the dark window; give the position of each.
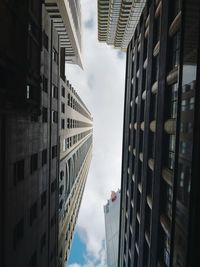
(63, 91)
(33, 213)
(54, 116)
(55, 55)
(44, 157)
(42, 242)
(33, 260)
(45, 84)
(43, 199)
(68, 99)
(61, 189)
(18, 171)
(32, 28)
(54, 152)
(45, 40)
(44, 114)
(34, 163)
(68, 123)
(61, 175)
(18, 232)
(62, 124)
(54, 91)
(53, 186)
(53, 220)
(61, 204)
(63, 107)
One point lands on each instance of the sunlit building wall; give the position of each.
(159, 223)
(112, 212)
(66, 16)
(117, 20)
(76, 126)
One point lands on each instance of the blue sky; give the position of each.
(101, 87)
(78, 251)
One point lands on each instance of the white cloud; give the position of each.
(75, 265)
(91, 261)
(101, 86)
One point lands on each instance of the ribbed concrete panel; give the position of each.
(66, 18)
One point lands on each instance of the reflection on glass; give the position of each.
(187, 101)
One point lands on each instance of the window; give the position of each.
(32, 28)
(54, 116)
(45, 84)
(44, 157)
(45, 40)
(43, 199)
(68, 123)
(61, 189)
(42, 242)
(61, 204)
(68, 99)
(53, 220)
(18, 171)
(62, 124)
(62, 107)
(61, 175)
(68, 142)
(53, 186)
(34, 163)
(54, 91)
(33, 213)
(18, 232)
(55, 55)
(54, 152)
(44, 114)
(63, 91)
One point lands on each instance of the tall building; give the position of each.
(159, 224)
(112, 212)
(66, 16)
(32, 77)
(75, 157)
(117, 20)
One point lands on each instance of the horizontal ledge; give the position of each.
(149, 201)
(144, 94)
(170, 126)
(153, 126)
(154, 88)
(165, 223)
(158, 10)
(156, 49)
(167, 175)
(172, 77)
(151, 164)
(175, 25)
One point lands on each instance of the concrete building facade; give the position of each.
(112, 215)
(160, 215)
(32, 75)
(117, 20)
(75, 156)
(66, 16)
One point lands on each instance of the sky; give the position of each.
(101, 87)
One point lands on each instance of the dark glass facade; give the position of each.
(159, 195)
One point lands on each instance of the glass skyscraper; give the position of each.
(111, 211)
